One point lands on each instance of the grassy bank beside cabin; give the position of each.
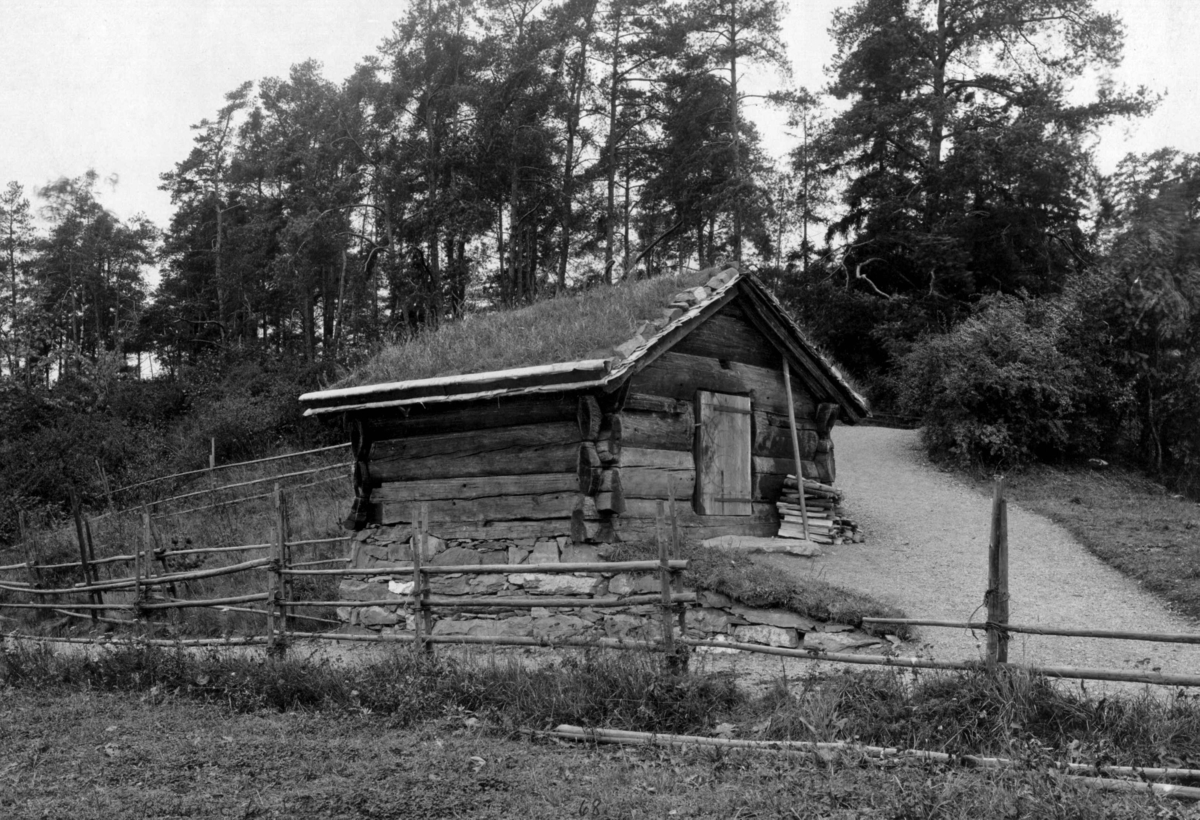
(1128, 521)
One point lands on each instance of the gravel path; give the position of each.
(926, 551)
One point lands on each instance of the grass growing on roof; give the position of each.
(564, 329)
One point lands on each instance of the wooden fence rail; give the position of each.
(212, 467)
(282, 603)
(1156, 637)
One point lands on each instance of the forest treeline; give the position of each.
(934, 215)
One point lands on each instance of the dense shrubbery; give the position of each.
(999, 388)
(94, 424)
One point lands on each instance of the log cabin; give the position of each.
(685, 397)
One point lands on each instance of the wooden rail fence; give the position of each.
(282, 608)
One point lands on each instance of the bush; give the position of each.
(998, 389)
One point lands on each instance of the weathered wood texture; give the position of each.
(476, 488)
(510, 411)
(758, 312)
(671, 426)
(638, 523)
(679, 375)
(730, 336)
(722, 454)
(528, 449)
(484, 511)
(481, 530)
(645, 473)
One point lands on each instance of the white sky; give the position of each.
(115, 84)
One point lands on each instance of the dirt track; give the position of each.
(926, 551)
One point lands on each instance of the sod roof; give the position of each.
(587, 325)
(583, 340)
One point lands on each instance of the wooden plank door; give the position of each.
(723, 458)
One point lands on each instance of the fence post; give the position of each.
(91, 545)
(284, 554)
(996, 596)
(664, 580)
(421, 615)
(142, 549)
(276, 641)
(31, 556)
(84, 566)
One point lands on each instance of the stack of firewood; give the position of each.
(822, 503)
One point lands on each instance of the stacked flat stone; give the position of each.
(715, 617)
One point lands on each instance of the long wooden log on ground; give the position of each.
(1065, 672)
(881, 752)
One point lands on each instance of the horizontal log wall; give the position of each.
(494, 470)
(551, 447)
(727, 354)
(400, 422)
(645, 473)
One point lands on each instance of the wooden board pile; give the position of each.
(826, 524)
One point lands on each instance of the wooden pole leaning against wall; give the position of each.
(996, 596)
(787, 385)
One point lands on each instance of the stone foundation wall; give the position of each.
(715, 618)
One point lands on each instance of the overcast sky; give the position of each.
(115, 84)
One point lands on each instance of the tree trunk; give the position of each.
(625, 219)
(937, 118)
(573, 115)
(737, 140)
(610, 162)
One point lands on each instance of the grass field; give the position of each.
(1128, 521)
(158, 734)
(107, 756)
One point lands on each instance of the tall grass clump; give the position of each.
(628, 690)
(594, 688)
(1006, 713)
